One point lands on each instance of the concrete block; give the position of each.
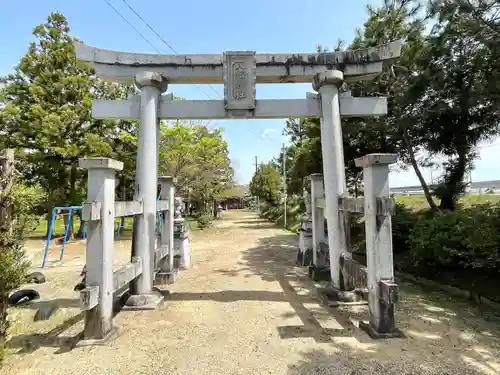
(366, 327)
(112, 335)
(166, 278)
(149, 301)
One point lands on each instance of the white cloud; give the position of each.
(235, 163)
(266, 133)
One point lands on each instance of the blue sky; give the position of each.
(198, 26)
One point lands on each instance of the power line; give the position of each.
(174, 51)
(164, 41)
(150, 28)
(132, 26)
(284, 186)
(144, 38)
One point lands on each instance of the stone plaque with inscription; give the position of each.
(239, 80)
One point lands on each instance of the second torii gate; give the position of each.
(239, 72)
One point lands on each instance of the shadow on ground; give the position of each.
(444, 335)
(272, 260)
(345, 362)
(256, 223)
(28, 343)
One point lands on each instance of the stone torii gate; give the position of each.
(239, 71)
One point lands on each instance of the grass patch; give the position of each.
(418, 202)
(41, 228)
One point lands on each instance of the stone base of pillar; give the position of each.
(113, 334)
(334, 297)
(304, 258)
(366, 326)
(166, 278)
(181, 247)
(305, 241)
(319, 273)
(323, 257)
(149, 301)
(305, 253)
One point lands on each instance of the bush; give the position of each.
(20, 200)
(466, 238)
(271, 212)
(404, 222)
(204, 221)
(295, 210)
(27, 201)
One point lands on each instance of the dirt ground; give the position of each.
(243, 308)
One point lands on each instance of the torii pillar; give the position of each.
(152, 85)
(328, 84)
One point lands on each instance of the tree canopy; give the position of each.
(47, 117)
(197, 157)
(266, 183)
(442, 95)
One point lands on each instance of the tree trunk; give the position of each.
(454, 182)
(413, 161)
(4, 324)
(7, 181)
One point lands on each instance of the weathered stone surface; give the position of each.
(149, 301)
(208, 68)
(215, 109)
(154, 79)
(328, 77)
(107, 163)
(239, 80)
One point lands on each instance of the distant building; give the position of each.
(235, 197)
(478, 187)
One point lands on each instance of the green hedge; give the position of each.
(274, 213)
(465, 238)
(459, 248)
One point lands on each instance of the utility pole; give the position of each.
(470, 183)
(284, 185)
(256, 169)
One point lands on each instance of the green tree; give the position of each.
(198, 158)
(401, 130)
(266, 183)
(361, 136)
(16, 221)
(457, 89)
(47, 113)
(443, 91)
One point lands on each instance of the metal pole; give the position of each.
(256, 170)
(284, 185)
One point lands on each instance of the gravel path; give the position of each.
(244, 309)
